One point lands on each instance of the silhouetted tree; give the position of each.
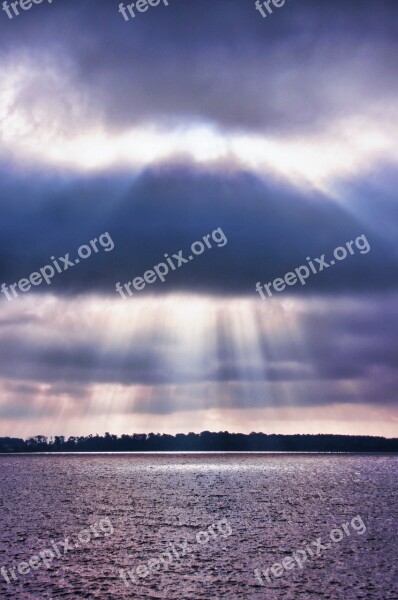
(205, 441)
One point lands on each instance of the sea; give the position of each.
(199, 526)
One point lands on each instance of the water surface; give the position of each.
(272, 502)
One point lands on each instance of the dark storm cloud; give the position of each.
(218, 61)
(271, 229)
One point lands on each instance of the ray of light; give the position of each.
(134, 349)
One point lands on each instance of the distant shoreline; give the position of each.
(201, 452)
(199, 443)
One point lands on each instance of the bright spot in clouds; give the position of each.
(55, 131)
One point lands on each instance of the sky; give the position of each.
(276, 137)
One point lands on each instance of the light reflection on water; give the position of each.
(273, 501)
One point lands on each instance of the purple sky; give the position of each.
(160, 130)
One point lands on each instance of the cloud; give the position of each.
(305, 66)
(271, 228)
(226, 354)
(280, 131)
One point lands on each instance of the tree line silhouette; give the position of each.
(200, 442)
